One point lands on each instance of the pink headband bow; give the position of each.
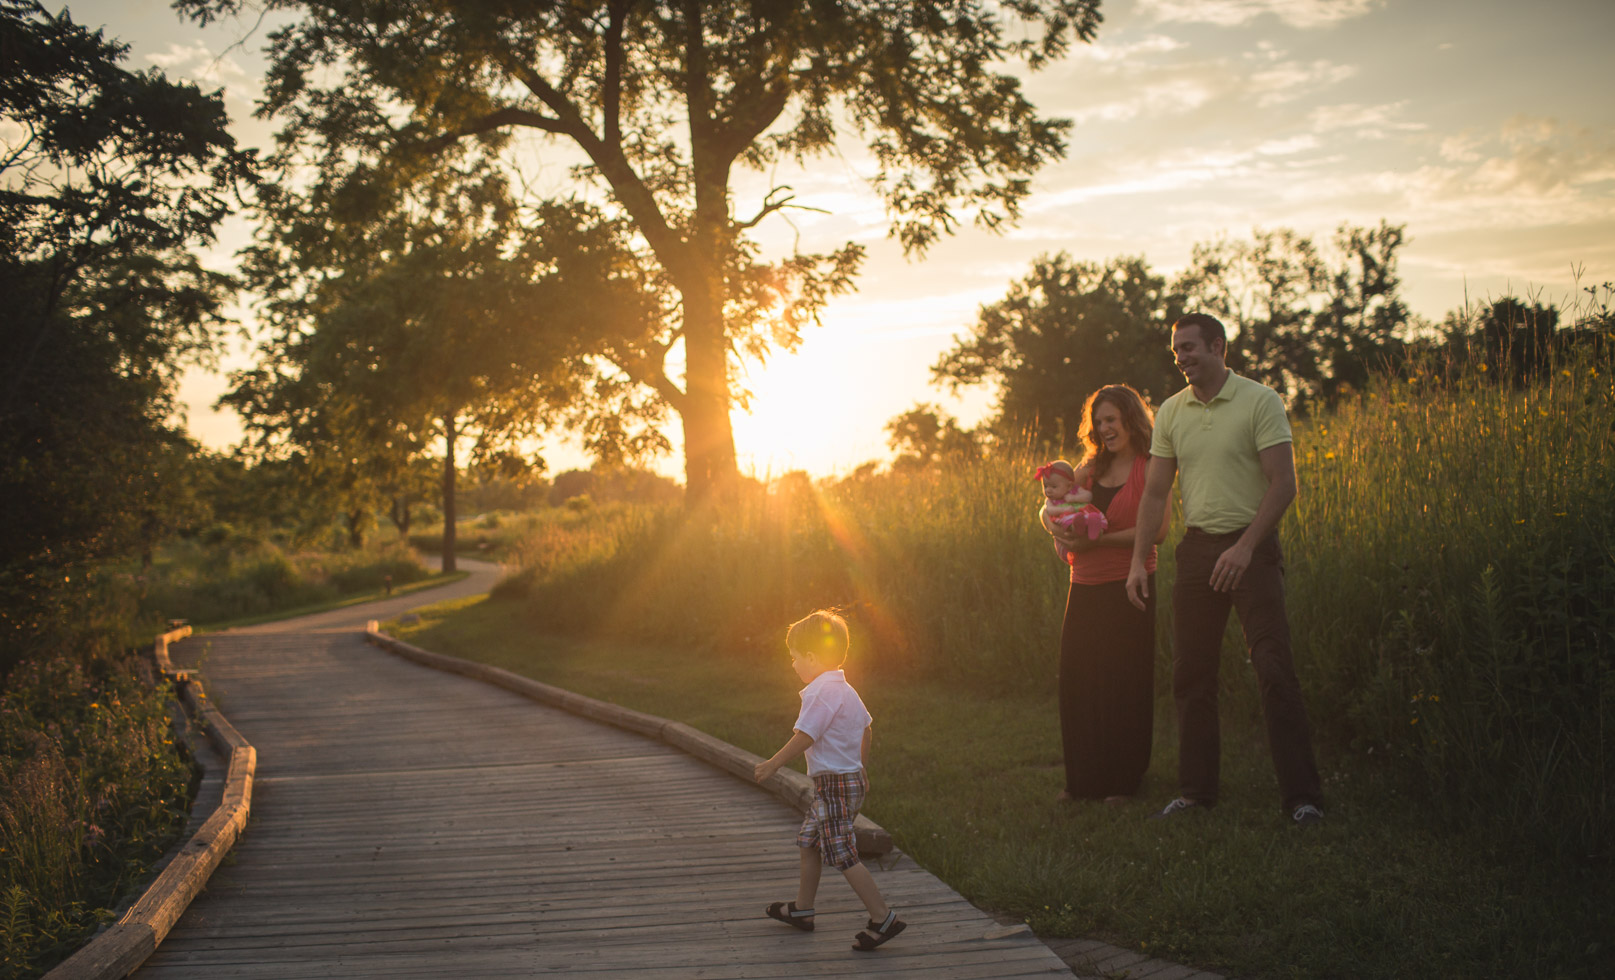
(1047, 468)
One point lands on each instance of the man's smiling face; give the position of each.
(1199, 362)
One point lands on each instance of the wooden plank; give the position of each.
(411, 823)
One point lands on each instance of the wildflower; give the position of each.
(1328, 455)
(1483, 367)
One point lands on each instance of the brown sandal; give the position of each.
(788, 913)
(879, 932)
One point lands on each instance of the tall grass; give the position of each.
(1449, 566)
(1453, 550)
(222, 575)
(92, 792)
(946, 571)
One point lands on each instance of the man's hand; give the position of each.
(1230, 567)
(765, 769)
(1138, 584)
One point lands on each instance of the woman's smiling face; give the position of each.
(1108, 426)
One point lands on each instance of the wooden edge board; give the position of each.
(789, 785)
(159, 650)
(122, 947)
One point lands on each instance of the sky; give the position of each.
(1484, 127)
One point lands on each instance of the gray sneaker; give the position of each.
(1180, 805)
(1306, 815)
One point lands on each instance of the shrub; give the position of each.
(246, 577)
(92, 792)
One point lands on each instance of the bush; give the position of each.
(92, 792)
(247, 577)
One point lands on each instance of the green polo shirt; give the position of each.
(1215, 445)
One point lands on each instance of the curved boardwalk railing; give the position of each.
(118, 950)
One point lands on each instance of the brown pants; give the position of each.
(1199, 616)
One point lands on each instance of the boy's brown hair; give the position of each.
(821, 633)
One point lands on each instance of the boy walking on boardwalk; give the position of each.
(833, 731)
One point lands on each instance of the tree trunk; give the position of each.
(355, 519)
(709, 437)
(448, 492)
(400, 515)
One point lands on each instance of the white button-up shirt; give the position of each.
(834, 716)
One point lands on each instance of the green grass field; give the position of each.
(1450, 567)
(965, 781)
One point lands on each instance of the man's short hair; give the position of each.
(1211, 328)
(821, 633)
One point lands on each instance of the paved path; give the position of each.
(410, 823)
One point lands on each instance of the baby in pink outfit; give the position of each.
(1066, 504)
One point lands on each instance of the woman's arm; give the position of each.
(1070, 537)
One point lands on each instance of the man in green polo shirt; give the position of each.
(1227, 441)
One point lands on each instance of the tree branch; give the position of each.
(611, 87)
(608, 157)
(640, 371)
(508, 116)
(770, 205)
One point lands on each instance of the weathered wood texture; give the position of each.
(118, 950)
(789, 785)
(411, 823)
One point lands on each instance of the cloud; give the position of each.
(1118, 53)
(1154, 100)
(1285, 147)
(1544, 156)
(1231, 13)
(196, 63)
(1185, 168)
(1291, 80)
(1364, 121)
(1527, 157)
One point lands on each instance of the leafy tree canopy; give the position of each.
(108, 178)
(1311, 324)
(1062, 331)
(663, 100)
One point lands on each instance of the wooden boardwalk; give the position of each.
(411, 823)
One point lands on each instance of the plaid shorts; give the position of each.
(837, 796)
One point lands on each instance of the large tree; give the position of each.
(660, 101)
(1267, 292)
(1311, 324)
(399, 312)
(1063, 330)
(108, 179)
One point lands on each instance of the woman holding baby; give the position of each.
(1107, 646)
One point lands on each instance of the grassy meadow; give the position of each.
(224, 577)
(1450, 573)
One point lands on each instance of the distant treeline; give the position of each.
(1313, 323)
